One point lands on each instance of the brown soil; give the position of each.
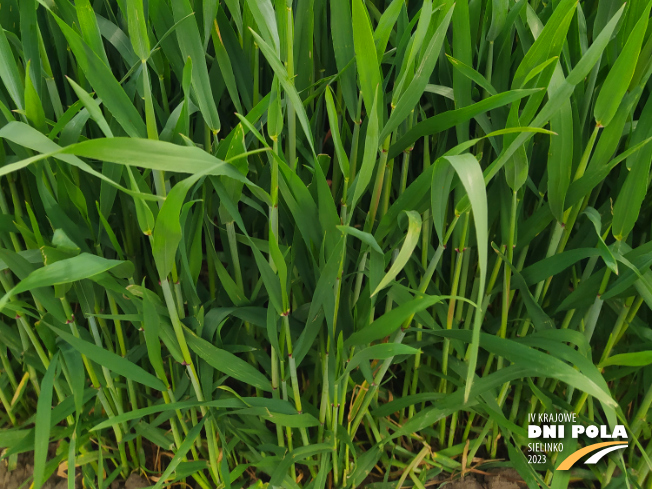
(25, 468)
(503, 479)
(134, 481)
(494, 479)
(23, 471)
(469, 482)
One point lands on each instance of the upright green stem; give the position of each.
(508, 273)
(625, 317)
(451, 305)
(507, 297)
(273, 228)
(293, 377)
(353, 156)
(256, 70)
(387, 189)
(235, 258)
(192, 373)
(289, 64)
(449, 319)
(378, 186)
(398, 338)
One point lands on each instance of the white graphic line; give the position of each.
(595, 458)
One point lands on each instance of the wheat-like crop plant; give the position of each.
(324, 243)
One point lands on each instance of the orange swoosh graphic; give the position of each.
(575, 456)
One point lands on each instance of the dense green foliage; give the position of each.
(327, 243)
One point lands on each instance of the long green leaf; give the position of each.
(228, 363)
(110, 360)
(368, 66)
(411, 240)
(43, 417)
(79, 267)
(391, 321)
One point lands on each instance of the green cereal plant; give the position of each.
(323, 243)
